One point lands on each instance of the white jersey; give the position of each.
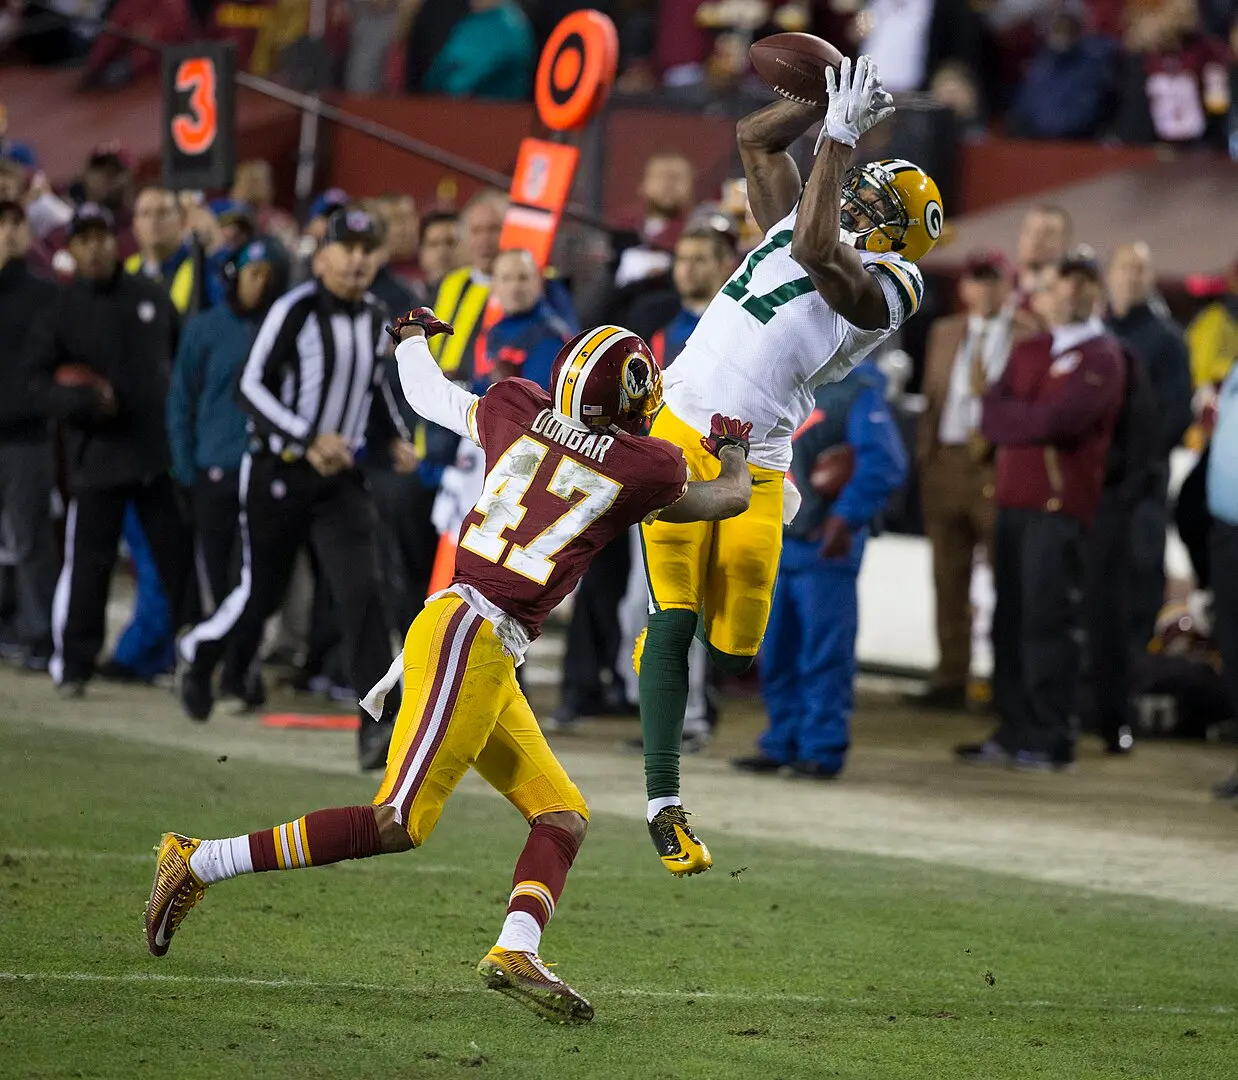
(769, 339)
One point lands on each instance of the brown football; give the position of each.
(794, 65)
(832, 469)
(77, 375)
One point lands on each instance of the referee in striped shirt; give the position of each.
(316, 396)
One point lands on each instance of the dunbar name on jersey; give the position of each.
(769, 339)
(555, 493)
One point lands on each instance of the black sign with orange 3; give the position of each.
(199, 115)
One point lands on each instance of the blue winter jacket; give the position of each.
(852, 412)
(206, 428)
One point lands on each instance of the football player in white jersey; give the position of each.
(834, 277)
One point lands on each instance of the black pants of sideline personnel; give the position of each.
(1149, 521)
(25, 497)
(217, 531)
(1107, 604)
(1036, 630)
(92, 533)
(1224, 544)
(409, 541)
(284, 506)
(593, 636)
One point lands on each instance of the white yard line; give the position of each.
(146, 977)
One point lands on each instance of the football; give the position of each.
(832, 469)
(794, 65)
(77, 375)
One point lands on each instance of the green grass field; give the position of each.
(805, 964)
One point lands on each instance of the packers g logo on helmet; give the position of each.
(901, 203)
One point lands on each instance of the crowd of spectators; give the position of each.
(1060, 68)
(1133, 71)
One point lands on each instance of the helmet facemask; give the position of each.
(640, 394)
(872, 216)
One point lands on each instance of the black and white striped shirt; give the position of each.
(314, 368)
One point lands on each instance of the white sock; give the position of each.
(651, 811)
(520, 933)
(218, 860)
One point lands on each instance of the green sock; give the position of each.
(664, 698)
(728, 663)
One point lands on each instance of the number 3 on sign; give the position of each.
(501, 509)
(195, 133)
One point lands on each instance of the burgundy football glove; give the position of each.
(726, 431)
(423, 317)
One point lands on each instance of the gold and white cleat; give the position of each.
(676, 844)
(523, 976)
(175, 891)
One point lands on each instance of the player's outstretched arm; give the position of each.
(431, 394)
(837, 273)
(714, 500)
(773, 177)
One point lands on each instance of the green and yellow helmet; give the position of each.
(901, 203)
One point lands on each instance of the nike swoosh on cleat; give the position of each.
(160, 940)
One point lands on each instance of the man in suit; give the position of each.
(966, 353)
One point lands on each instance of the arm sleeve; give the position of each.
(880, 460)
(182, 402)
(902, 285)
(431, 394)
(276, 340)
(1087, 394)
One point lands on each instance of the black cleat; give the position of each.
(197, 697)
(990, 752)
(372, 742)
(758, 763)
(813, 770)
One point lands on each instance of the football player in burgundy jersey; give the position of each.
(565, 474)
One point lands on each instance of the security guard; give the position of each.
(312, 389)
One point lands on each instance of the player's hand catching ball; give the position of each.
(858, 102)
(420, 322)
(726, 431)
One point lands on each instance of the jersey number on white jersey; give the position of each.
(501, 509)
(763, 307)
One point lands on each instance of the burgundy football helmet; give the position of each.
(605, 377)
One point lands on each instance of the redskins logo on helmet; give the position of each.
(892, 205)
(606, 377)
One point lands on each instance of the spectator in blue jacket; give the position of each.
(528, 337)
(1069, 86)
(206, 428)
(848, 460)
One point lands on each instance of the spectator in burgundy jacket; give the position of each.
(1051, 416)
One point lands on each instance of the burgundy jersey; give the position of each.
(554, 496)
(1186, 86)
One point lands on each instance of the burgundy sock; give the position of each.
(541, 872)
(320, 838)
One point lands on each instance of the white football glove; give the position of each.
(857, 102)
